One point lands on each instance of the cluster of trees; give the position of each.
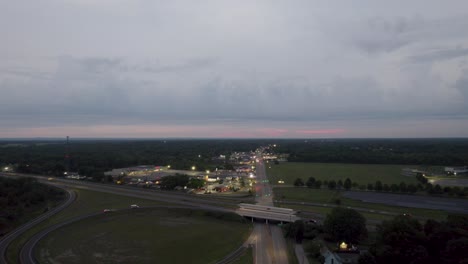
(312, 183)
(22, 197)
(340, 225)
(378, 151)
(405, 240)
(170, 182)
(400, 240)
(182, 180)
(93, 157)
(344, 224)
(378, 186)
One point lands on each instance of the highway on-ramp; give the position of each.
(6, 240)
(270, 246)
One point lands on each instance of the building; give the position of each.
(344, 254)
(456, 170)
(412, 172)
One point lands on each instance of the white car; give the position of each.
(133, 206)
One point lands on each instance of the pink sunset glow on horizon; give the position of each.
(166, 131)
(321, 132)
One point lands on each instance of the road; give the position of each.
(26, 251)
(5, 241)
(412, 201)
(270, 245)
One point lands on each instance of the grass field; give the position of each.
(85, 203)
(360, 173)
(325, 196)
(146, 236)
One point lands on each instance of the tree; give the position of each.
(347, 184)
(344, 224)
(298, 182)
(403, 187)
(370, 187)
(437, 189)
(412, 188)
(367, 258)
(310, 182)
(318, 184)
(386, 188)
(339, 184)
(195, 183)
(170, 182)
(378, 186)
(400, 240)
(332, 185)
(295, 230)
(242, 182)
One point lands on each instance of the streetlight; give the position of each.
(193, 168)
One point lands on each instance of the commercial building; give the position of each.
(456, 170)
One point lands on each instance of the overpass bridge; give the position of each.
(267, 212)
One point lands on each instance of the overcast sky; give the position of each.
(307, 69)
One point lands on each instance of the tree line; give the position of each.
(449, 152)
(93, 157)
(402, 239)
(378, 186)
(22, 197)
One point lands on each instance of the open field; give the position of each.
(360, 173)
(86, 202)
(325, 196)
(146, 236)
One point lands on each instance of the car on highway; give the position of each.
(107, 210)
(134, 206)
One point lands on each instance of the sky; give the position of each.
(234, 69)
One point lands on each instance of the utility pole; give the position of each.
(67, 156)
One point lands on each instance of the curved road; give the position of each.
(27, 252)
(5, 241)
(268, 236)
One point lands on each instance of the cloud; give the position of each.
(437, 55)
(283, 66)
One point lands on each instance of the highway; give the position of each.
(270, 245)
(5, 241)
(26, 255)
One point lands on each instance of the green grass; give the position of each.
(325, 196)
(247, 258)
(146, 236)
(360, 173)
(85, 203)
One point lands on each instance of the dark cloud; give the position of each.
(380, 34)
(437, 55)
(213, 62)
